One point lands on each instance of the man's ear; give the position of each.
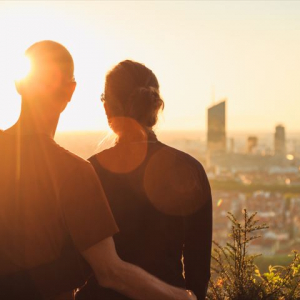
(71, 90)
(107, 110)
(66, 95)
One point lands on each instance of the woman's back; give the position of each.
(162, 208)
(160, 196)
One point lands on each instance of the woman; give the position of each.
(160, 196)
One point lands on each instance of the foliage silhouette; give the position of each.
(235, 275)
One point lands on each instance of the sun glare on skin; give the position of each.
(21, 68)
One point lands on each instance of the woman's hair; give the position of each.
(132, 91)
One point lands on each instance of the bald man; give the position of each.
(56, 226)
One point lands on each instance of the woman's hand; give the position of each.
(191, 294)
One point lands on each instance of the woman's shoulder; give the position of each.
(120, 159)
(181, 157)
(174, 181)
(104, 154)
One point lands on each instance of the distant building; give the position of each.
(251, 143)
(279, 140)
(231, 145)
(216, 128)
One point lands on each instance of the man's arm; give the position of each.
(132, 281)
(89, 221)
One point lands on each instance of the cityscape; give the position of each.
(263, 178)
(258, 172)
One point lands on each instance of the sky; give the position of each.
(201, 51)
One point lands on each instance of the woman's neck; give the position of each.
(142, 135)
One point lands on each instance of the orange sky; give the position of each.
(245, 51)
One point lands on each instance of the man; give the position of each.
(53, 211)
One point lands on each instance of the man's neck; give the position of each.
(35, 121)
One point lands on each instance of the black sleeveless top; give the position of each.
(161, 201)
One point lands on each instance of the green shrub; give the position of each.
(235, 275)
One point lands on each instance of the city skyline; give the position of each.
(244, 51)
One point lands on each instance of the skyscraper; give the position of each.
(279, 140)
(251, 143)
(216, 128)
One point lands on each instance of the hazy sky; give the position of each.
(246, 51)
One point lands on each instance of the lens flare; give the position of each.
(129, 154)
(21, 67)
(219, 203)
(171, 185)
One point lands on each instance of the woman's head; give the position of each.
(132, 91)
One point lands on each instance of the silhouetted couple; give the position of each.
(57, 219)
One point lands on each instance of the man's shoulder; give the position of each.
(76, 173)
(67, 157)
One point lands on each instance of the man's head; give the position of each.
(50, 83)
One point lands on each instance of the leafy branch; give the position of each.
(236, 277)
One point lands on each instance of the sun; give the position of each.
(21, 67)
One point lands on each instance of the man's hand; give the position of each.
(132, 281)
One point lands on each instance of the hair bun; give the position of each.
(144, 102)
(132, 90)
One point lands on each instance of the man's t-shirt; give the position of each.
(52, 207)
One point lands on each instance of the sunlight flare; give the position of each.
(21, 67)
